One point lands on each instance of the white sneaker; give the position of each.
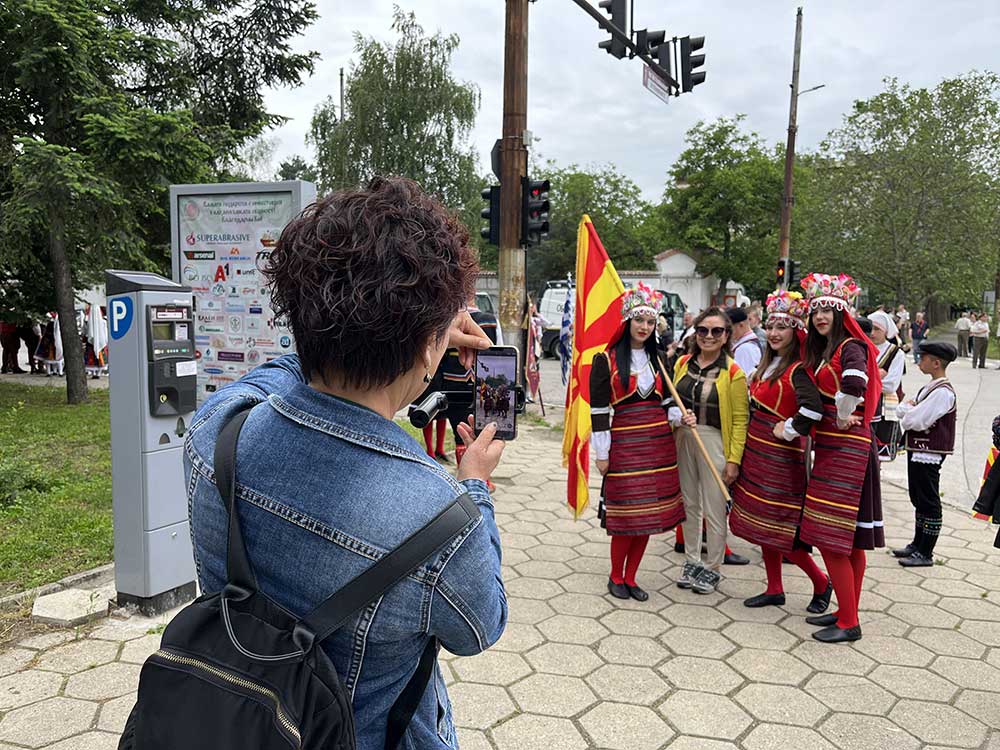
(706, 581)
(689, 575)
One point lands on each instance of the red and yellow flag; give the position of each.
(597, 319)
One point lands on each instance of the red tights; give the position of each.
(847, 572)
(680, 536)
(772, 564)
(626, 552)
(442, 425)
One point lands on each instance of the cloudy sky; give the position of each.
(587, 107)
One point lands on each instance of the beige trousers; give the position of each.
(702, 497)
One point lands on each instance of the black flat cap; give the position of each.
(865, 325)
(940, 349)
(736, 314)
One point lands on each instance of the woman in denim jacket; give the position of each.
(373, 284)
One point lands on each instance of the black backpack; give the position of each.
(236, 671)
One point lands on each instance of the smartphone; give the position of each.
(496, 376)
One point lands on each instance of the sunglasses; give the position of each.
(705, 331)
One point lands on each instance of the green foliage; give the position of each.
(296, 168)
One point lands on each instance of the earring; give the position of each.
(427, 376)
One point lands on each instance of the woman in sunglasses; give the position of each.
(635, 451)
(767, 498)
(714, 391)
(843, 505)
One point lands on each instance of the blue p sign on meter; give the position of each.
(121, 314)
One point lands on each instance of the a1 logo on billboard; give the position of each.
(121, 311)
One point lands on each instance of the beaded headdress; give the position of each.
(790, 307)
(642, 300)
(824, 290)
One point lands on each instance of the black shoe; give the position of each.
(917, 560)
(833, 634)
(764, 600)
(618, 590)
(822, 620)
(679, 548)
(733, 559)
(820, 602)
(442, 457)
(906, 551)
(637, 593)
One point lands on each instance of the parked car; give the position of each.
(550, 307)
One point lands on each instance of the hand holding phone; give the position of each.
(482, 453)
(495, 396)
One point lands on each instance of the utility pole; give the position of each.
(343, 116)
(513, 167)
(793, 107)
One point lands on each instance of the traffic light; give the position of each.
(660, 50)
(534, 211)
(689, 77)
(491, 232)
(618, 10)
(794, 271)
(648, 41)
(784, 266)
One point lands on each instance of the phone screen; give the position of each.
(496, 376)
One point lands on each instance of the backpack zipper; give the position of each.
(234, 679)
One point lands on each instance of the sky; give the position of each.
(587, 107)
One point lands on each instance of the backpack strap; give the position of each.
(238, 570)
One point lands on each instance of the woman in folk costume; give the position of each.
(768, 497)
(891, 361)
(634, 448)
(843, 504)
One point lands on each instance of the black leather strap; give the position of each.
(406, 704)
(238, 571)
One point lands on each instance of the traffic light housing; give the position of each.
(491, 232)
(534, 211)
(618, 10)
(689, 76)
(794, 272)
(784, 266)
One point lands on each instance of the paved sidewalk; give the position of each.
(577, 669)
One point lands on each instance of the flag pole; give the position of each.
(701, 446)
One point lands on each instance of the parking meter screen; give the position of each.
(496, 376)
(162, 332)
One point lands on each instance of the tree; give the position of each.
(723, 199)
(903, 195)
(406, 115)
(296, 168)
(106, 104)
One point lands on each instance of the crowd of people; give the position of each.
(43, 341)
(779, 444)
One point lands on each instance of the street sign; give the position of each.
(653, 82)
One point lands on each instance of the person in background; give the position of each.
(745, 345)
(929, 421)
(903, 321)
(10, 344)
(686, 333)
(754, 319)
(987, 504)
(664, 334)
(713, 389)
(963, 326)
(918, 332)
(891, 362)
(980, 334)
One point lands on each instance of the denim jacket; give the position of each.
(326, 487)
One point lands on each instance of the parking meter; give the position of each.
(153, 380)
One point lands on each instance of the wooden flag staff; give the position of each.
(701, 446)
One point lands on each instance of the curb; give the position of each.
(13, 601)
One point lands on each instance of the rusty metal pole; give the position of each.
(513, 167)
(793, 108)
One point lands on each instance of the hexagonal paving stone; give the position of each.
(631, 649)
(519, 526)
(104, 682)
(527, 731)
(850, 732)
(912, 682)
(533, 588)
(634, 623)
(780, 704)
(700, 743)
(491, 668)
(528, 611)
(693, 616)
(553, 554)
(619, 682)
(901, 592)
(705, 715)
(987, 633)
(779, 737)
(137, 651)
(470, 739)
(694, 673)
(33, 725)
(947, 642)
(850, 694)
(889, 650)
(479, 706)
(518, 541)
(952, 588)
(15, 659)
(918, 614)
(543, 569)
(848, 661)
(968, 673)
(518, 637)
(695, 642)
(585, 583)
(26, 687)
(562, 539)
(971, 609)
(768, 666)
(569, 629)
(581, 605)
(88, 741)
(48, 640)
(937, 723)
(563, 658)
(553, 695)
(736, 611)
(759, 635)
(115, 713)
(78, 655)
(983, 706)
(625, 727)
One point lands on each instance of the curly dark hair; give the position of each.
(365, 278)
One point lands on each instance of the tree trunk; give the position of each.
(76, 376)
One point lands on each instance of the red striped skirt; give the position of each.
(642, 493)
(833, 497)
(768, 496)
